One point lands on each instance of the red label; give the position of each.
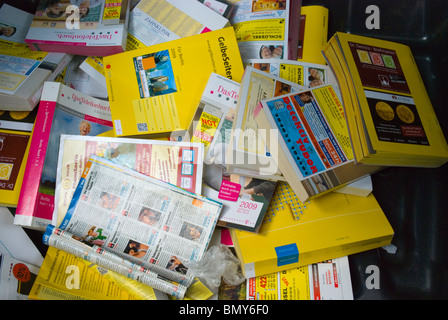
(21, 272)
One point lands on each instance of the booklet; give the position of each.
(135, 225)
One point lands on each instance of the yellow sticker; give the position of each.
(112, 10)
(205, 129)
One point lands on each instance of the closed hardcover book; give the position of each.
(154, 91)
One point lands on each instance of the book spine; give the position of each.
(29, 196)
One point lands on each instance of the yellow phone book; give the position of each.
(297, 233)
(154, 91)
(326, 280)
(15, 132)
(314, 152)
(313, 34)
(64, 276)
(390, 116)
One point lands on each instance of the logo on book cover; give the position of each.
(5, 170)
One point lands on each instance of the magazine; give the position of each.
(137, 226)
(178, 163)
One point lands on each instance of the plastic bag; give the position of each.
(218, 263)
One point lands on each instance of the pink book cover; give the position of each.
(90, 28)
(62, 110)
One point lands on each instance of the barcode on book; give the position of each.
(142, 127)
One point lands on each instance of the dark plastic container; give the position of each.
(415, 200)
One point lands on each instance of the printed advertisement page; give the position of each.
(100, 283)
(245, 199)
(256, 85)
(153, 22)
(141, 219)
(17, 63)
(213, 120)
(303, 73)
(73, 245)
(328, 280)
(315, 129)
(261, 28)
(178, 163)
(16, 278)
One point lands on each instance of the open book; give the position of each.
(136, 226)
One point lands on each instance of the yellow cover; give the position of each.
(327, 280)
(400, 122)
(64, 276)
(15, 132)
(155, 90)
(328, 227)
(313, 34)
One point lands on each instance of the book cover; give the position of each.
(314, 149)
(223, 7)
(389, 111)
(92, 28)
(61, 110)
(178, 163)
(213, 120)
(151, 91)
(83, 280)
(94, 67)
(248, 154)
(23, 73)
(313, 34)
(15, 133)
(262, 28)
(156, 21)
(303, 73)
(76, 78)
(16, 278)
(296, 233)
(326, 280)
(245, 199)
(15, 22)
